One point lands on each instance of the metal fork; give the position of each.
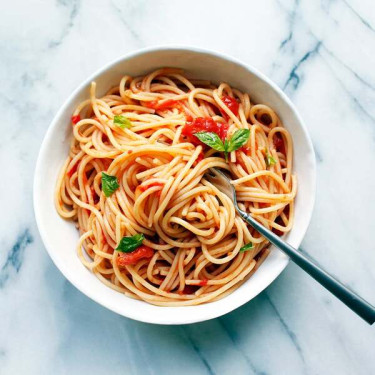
(344, 294)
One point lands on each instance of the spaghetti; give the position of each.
(151, 226)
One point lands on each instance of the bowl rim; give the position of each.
(43, 152)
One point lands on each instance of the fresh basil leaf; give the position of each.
(226, 143)
(270, 160)
(238, 139)
(129, 244)
(122, 122)
(211, 139)
(248, 246)
(109, 184)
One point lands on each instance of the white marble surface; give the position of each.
(322, 54)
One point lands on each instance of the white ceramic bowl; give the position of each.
(60, 236)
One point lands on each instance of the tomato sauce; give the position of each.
(231, 103)
(143, 251)
(203, 124)
(189, 289)
(145, 187)
(203, 282)
(167, 104)
(72, 170)
(75, 119)
(199, 158)
(84, 179)
(245, 150)
(95, 197)
(279, 143)
(279, 221)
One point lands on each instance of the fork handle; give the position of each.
(344, 294)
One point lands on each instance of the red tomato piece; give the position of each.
(143, 251)
(231, 103)
(203, 124)
(151, 104)
(167, 104)
(203, 282)
(75, 119)
(245, 149)
(170, 103)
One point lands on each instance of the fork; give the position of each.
(343, 293)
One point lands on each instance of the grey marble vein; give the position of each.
(15, 257)
(72, 7)
(287, 329)
(362, 19)
(234, 339)
(292, 21)
(294, 75)
(123, 15)
(200, 355)
(351, 70)
(355, 100)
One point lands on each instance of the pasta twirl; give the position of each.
(135, 175)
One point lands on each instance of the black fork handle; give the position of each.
(343, 293)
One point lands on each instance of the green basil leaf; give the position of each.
(226, 149)
(238, 139)
(211, 139)
(270, 160)
(109, 184)
(129, 244)
(248, 246)
(122, 122)
(226, 145)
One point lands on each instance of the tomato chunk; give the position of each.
(170, 103)
(245, 149)
(203, 282)
(151, 104)
(203, 124)
(167, 104)
(75, 119)
(143, 251)
(231, 103)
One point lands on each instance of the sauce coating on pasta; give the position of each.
(151, 226)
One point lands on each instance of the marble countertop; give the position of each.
(322, 54)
